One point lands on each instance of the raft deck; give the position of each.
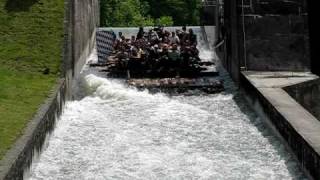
(206, 80)
(179, 85)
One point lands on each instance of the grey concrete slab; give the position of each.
(277, 79)
(270, 85)
(301, 120)
(298, 127)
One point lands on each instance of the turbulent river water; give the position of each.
(117, 132)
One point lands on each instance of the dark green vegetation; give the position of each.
(122, 13)
(31, 34)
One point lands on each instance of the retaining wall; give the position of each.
(308, 95)
(81, 20)
(273, 35)
(298, 129)
(231, 56)
(284, 44)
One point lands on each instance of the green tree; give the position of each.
(164, 21)
(125, 13)
(183, 12)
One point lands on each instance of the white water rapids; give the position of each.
(116, 132)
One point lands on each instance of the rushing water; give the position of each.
(116, 132)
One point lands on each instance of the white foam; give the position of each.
(116, 132)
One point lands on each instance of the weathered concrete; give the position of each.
(283, 46)
(308, 95)
(272, 35)
(232, 56)
(81, 20)
(299, 129)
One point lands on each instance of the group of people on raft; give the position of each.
(157, 50)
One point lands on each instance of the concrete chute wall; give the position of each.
(81, 21)
(269, 36)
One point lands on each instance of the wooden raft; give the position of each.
(179, 85)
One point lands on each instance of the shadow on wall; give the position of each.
(277, 35)
(19, 5)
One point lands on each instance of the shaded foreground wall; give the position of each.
(229, 54)
(81, 20)
(314, 36)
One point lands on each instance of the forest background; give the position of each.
(133, 13)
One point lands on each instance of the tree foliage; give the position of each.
(125, 13)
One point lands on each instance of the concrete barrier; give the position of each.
(81, 21)
(308, 95)
(299, 130)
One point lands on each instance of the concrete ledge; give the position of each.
(299, 129)
(19, 157)
(308, 95)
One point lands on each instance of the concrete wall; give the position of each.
(208, 16)
(298, 129)
(230, 55)
(81, 20)
(272, 36)
(308, 95)
(276, 35)
(283, 46)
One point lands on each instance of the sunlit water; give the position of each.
(116, 132)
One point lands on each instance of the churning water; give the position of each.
(117, 132)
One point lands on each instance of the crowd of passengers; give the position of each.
(158, 49)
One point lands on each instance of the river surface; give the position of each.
(116, 132)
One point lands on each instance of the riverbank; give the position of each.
(31, 35)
